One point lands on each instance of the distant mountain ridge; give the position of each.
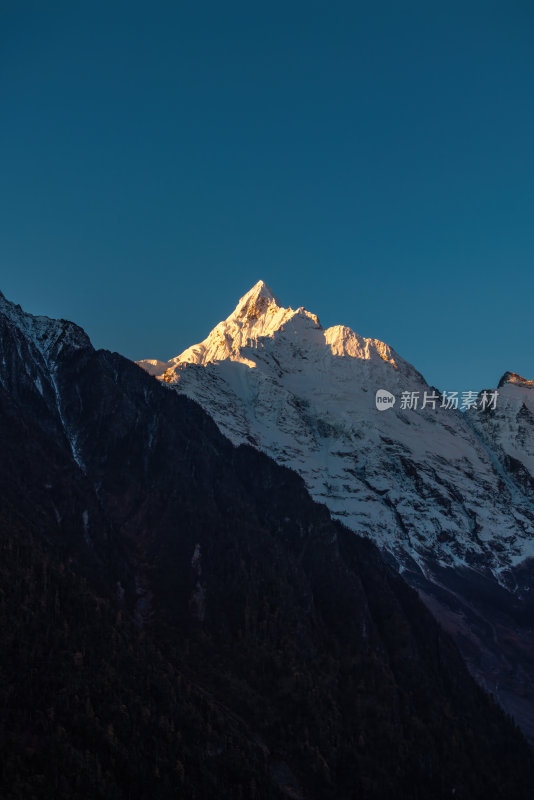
(259, 314)
(447, 495)
(306, 396)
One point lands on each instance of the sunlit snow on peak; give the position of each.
(258, 319)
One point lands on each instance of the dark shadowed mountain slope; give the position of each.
(180, 619)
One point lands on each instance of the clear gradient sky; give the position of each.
(372, 161)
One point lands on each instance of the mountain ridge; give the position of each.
(443, 493)
(258, 315)
(195, 624)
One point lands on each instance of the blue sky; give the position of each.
(373, 162)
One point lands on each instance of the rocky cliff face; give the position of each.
(508, 430)
(193, 623)
(446, 495)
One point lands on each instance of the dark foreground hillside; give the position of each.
(179, 620)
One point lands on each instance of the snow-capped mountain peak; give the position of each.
(260, 294)
(509, 428)
(449, 496)
(416, 478)
(514, 378)
(258, 314)
(515, 388)
(48, 336)
(257, 320)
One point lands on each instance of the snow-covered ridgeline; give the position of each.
(418, 482)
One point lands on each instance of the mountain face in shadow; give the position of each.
(179, 619)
